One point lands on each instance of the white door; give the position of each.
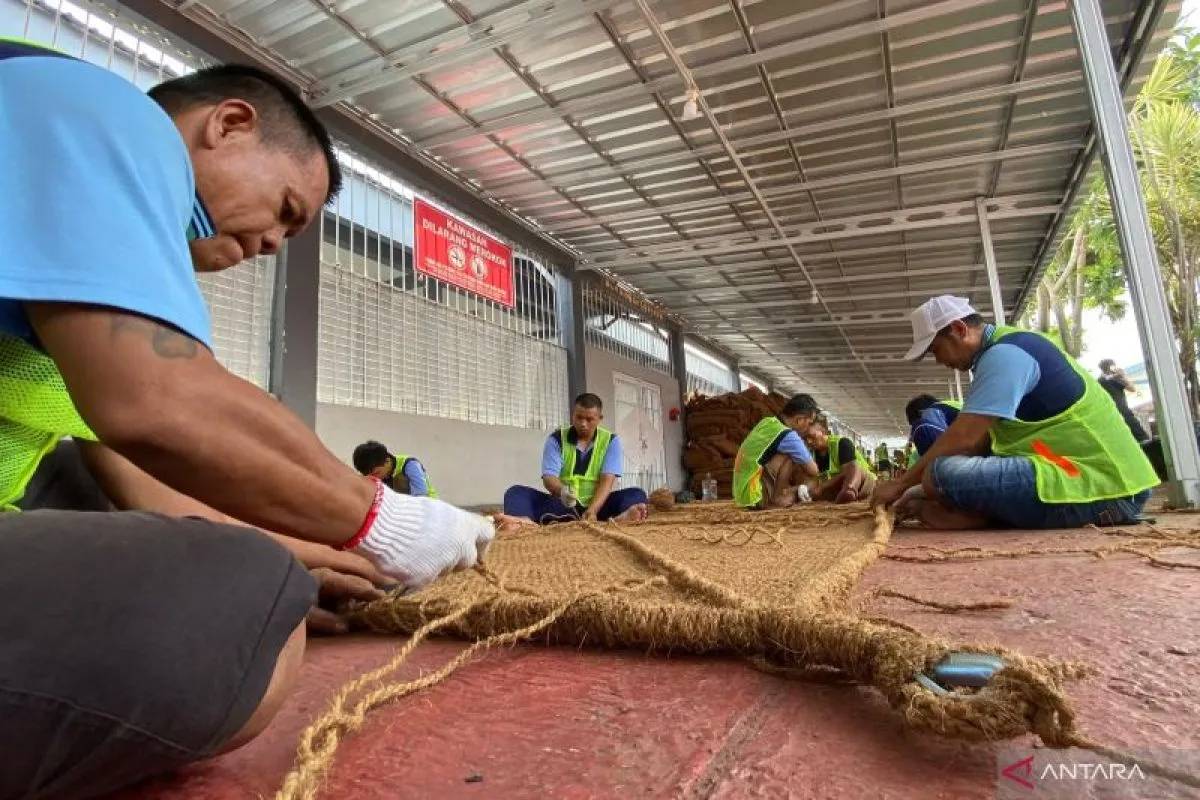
(639, 424)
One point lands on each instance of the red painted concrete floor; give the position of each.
(541, 722)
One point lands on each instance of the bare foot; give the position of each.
(506, 523)
(847, 496)
(634, 513)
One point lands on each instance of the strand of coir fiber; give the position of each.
(320, 740)
(1145, 542)
(944, 607)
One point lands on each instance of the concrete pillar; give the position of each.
(569, 303)
(294, 312)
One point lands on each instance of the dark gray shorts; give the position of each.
(132, 643)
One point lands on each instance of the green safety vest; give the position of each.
(835, 466)
(881, 453)
(584, 486)
(398, 472)
(35, 412)
(1081, 455)
(35, 409)
(747, 467)
(913, 458)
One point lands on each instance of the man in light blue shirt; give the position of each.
(580, 467)
(131, 643)
(1037, 443)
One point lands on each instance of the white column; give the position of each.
(989, 260)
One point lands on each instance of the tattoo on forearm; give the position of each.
(166, 341)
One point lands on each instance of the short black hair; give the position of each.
(286, 119)
(1107, 364)
(800, 404)
(822, 422)
(917, 405)
(369, 455)
(589, 400)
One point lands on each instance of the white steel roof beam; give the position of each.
(452, 47)
(713, 123)
(859, 226)
(833, 181)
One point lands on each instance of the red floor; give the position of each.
(539, 722)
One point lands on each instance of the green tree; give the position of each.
(1087, 270)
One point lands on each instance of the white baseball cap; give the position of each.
(930, 317)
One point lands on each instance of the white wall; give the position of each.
(471, 464)
(601, 364)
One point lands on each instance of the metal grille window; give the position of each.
(96, 32)
(393, 339)
(706, 374)
(239, 299)
(615, 321)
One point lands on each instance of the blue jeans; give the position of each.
(1004, 489)
(545, 508)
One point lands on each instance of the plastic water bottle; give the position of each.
(708, 487)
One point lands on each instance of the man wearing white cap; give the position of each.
(1061, 457)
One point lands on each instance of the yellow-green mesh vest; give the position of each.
(584, 486)
(35, 412)
(747, 467)
(35, 408)
(835, 464)
(1083, 454)
(398, 472)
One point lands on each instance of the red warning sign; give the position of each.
(460, 254)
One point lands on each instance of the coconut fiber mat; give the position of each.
(772, 586)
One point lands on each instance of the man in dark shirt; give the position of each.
(1112, 379)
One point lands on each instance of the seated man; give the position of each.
(1062, 456)
(928, 418)
(403, 473)
(773, 462)
(580, 465)
(845, 474)
(883, 461)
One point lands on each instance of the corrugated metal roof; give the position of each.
(868, 127)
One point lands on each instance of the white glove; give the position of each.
(802, 494)
(567, 495)
(417, 539)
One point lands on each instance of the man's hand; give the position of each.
(318, 556)
(337, 589)
(888, 492)
(591, 515)
(414, 540)
(567, 495)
